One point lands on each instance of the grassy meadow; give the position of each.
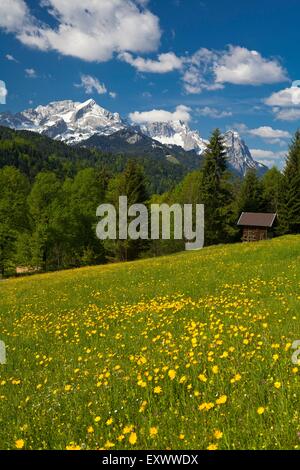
(190, 351)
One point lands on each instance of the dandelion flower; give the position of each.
(222, 400)
(132, 438)
(109, 445)
(73, 446)
(212, 447)
(218, 434)
(20, 443)
(202, 378)
(127, 429)
(153, 431)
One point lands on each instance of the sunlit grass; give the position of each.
(187, 351)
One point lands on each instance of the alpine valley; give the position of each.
(91, 126)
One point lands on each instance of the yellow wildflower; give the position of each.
(221, 400)
(153, 431)
(132, 438)
(20, 443)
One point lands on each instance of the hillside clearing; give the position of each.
(187, 351)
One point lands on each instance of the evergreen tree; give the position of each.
(289, 204)
(14, 188)
(189, 190)
(85, 194)
(215, 193)
(130, 183)
(272, 183)
(250, 198)
(50, 222)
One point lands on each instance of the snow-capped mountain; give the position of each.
(239, 155)
(67, 121)
(178, 133)
(175, 133)
(88, 123)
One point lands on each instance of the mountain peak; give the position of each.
(89, 102)
(238, 154)
(175, 133)
(68, 121)
(76, 123)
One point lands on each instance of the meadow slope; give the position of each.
(186, 351)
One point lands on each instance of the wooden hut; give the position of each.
(256, 226)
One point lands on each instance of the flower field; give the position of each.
(191, 351)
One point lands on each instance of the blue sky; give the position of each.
(211, 63)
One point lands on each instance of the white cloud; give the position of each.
(210, 70)
(165, 63)
(288, 97)
(14, 15)
(30, 73)
(243, 67)
(91, 84)
(264, 132)
(267, 154)
(286, 103)
(268, 157)
(182, 113)
(213, 113)
(287, 114)
(198, 72)
(91, 30)
(267, 132)
(147, 94)
(3, 92)
(10, 58)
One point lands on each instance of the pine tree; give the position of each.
(289, 204)
(50, 222)
(272, 183)
(85, 193)
(215, 193)
(130, 183)
(14, 188)
(250, 198)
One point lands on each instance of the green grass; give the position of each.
(90, 345)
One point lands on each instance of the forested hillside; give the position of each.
(32, 153)
(49, 194)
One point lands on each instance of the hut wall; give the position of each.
(254, 234)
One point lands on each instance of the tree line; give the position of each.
(49, 222)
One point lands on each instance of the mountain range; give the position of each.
(90, 125)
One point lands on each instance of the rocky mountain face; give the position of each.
(239, 156)
(178, 133)
(66, 121)
(88, 124)
(175, 133)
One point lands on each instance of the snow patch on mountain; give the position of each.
(178, 133)
(239, 155)
(67, 121)
(175, 133)
(76, 123)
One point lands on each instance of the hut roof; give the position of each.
(257, 219)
